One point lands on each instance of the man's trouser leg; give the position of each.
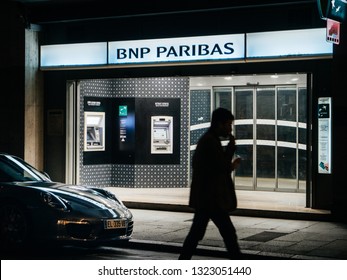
(228, 232)
(196, 233)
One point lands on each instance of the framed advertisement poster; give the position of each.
(324, 135)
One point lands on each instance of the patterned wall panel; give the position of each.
(200, 114)
(129, 175)
(200, 106)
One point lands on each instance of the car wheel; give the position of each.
(14, 226)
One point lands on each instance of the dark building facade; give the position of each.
(65, 99)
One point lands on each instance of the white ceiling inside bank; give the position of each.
(248, 80)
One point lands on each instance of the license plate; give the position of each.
(112, 224)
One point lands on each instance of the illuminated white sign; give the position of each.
(74, 54)
(223, 47)
(324, 135)
(237, 47)
(279, 44)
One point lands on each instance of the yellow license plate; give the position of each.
(112, 224)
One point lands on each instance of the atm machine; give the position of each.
(161, 135)
(94, 128)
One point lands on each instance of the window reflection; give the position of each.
(244, 104)
(286, 104)
(223, 98)
(266, 132)
(244, 131)
(302, 99)
(245, 169)
(265, 161)
(286, 133)
(302, 136)
(286, 162)
(266, 103)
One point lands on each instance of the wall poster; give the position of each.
(324, 135)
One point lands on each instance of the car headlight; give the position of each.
(53, 201)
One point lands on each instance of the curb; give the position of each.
(238, 212)
(175, 248)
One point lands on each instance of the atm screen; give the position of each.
(94, 127)
(90, 134)
(160, 133)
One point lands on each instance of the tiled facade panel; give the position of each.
(200, 107)
(200, 113)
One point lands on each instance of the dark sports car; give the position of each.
(33, 208)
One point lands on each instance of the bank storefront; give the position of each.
(134, 110)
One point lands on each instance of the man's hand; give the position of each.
(235, 163)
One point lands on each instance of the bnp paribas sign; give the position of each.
(207, 48)
(237, 48)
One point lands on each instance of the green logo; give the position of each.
(123, 110)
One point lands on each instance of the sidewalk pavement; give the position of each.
(259, 238)
(311, 236)
(250, 203)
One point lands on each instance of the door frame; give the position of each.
(72, 158)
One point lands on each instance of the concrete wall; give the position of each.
(21, 101)
(33, 133)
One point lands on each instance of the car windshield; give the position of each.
(13, 169)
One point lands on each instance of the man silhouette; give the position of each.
(212, 193)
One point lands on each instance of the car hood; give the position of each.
(83, 196)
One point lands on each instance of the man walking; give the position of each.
(212, 193)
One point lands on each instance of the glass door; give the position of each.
(287, 133)
(270, 128)
(244, 133)
(265, 137)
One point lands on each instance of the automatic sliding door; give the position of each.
(244, 134)
(287, 151)
(223, 98)
(302, 138)
(265, 138)
(271, 133)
